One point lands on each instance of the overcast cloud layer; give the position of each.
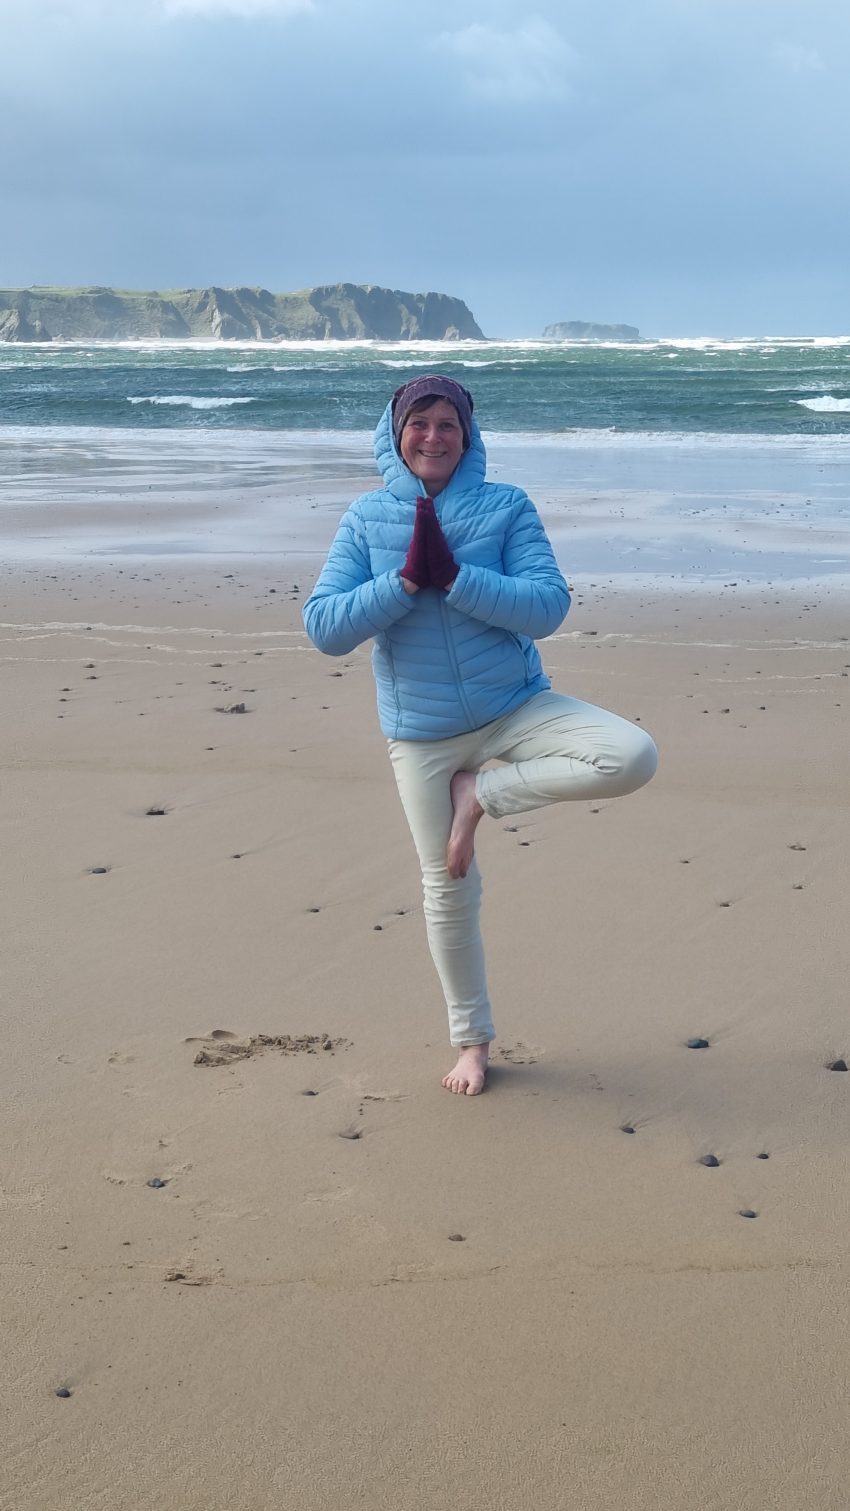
(680, 165)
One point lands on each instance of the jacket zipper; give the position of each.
(444, 616)
(455, 666)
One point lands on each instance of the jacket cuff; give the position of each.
(456, 591)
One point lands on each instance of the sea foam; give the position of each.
(828, 404)
(188, 401)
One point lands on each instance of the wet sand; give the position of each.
(272, 1261)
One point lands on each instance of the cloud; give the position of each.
(798, 59)
(531, 63)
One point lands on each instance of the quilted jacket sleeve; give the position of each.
(348, 605)
(530, 597)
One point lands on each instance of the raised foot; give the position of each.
(467, 815)
(468, 1076)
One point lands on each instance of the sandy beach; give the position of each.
(345, 1287)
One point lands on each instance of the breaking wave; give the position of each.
(187, 401)
(828, 404)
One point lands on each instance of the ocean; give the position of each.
(686, 459)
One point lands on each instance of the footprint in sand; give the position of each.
(186, 1274)
(221, 1047)
(519, 1053)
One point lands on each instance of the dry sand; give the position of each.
(380, 1295)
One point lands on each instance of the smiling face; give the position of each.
(431, 442)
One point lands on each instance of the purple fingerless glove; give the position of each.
(442, 567)
(416, 568)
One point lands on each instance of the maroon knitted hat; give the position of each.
(432, 386)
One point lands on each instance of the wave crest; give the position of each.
(828, 404)
(188, 401)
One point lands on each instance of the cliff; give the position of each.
(336, 311)
(589, 330)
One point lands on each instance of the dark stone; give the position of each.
(156, 1184)
(626, 1128)
(698, 1044)
(747, 1212)
(99, 870)
(838, 1065)
(710, 1160)
(456, 1238)
(63, 1392)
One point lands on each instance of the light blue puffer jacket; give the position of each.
(444, 663)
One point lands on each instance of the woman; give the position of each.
(455, 578)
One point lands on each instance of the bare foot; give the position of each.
(468, 813)
(467, 1078)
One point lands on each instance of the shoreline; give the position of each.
(659, 516)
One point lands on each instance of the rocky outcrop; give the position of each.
(589, 330)
(15, 325)
(338, 311)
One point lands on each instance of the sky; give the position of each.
(677, 165)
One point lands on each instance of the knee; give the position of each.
(630, 760)
(446, 896)
(640, 761)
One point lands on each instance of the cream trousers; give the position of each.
(556, 750)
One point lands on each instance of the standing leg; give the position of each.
(423, 770)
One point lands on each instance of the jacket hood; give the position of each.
(400, 481)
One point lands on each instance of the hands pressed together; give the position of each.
(429, 563)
